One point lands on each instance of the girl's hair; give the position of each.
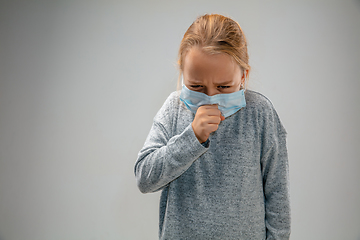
(215, 34)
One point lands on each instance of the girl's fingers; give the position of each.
(206, 121)
(211, 110)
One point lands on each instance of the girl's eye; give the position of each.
(223, 87)
(196, 86)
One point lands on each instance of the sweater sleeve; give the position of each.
(164, 157)
(275, 171)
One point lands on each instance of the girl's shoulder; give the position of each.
(173, 100)
(170, 106)
(262, 106)
(258, 100)
(175, 96)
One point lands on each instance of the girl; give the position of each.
(216, 150)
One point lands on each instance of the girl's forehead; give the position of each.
(199, 64)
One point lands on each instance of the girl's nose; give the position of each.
(211, 91)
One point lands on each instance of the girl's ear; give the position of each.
(244, 78)
(245, 75)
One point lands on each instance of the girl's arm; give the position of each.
(164, 157)
(275, 171)
(160, 162)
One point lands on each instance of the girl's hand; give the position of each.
(206, 121)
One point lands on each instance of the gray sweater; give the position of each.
(237, 187)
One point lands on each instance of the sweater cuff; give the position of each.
(206, 143)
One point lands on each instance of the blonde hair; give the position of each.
(215, 34)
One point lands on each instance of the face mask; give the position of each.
(228, 103)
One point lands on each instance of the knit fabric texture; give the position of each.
(235, 187)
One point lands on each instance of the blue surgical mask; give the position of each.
(228, 103)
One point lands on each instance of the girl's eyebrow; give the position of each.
(224, 82)
(195, 82)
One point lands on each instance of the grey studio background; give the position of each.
(80, 82)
